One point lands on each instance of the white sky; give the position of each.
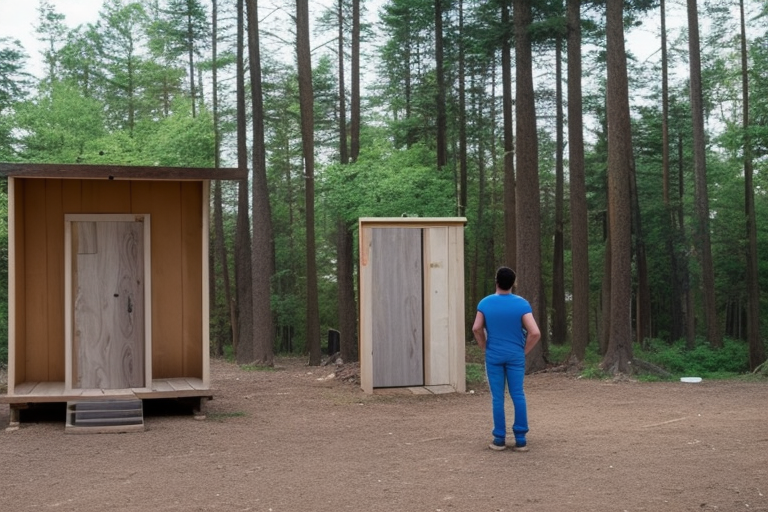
(19, 17)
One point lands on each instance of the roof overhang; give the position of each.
(119, 172)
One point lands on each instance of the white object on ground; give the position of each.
(690, 379)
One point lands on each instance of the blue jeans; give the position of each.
(506, 372)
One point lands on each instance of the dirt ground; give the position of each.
(299, 439)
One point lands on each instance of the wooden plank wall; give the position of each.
(436, 295)
(457, 331)
(177, 260)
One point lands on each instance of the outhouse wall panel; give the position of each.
(436, 296)
(167, 281)
(44, 283)
(191, 271)
(54, 208)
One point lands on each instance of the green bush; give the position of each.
(475, 374)
(702, 360)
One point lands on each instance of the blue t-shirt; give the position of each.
(504, 324)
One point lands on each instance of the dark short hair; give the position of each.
(505, 278)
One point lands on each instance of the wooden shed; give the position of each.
(108, 289)
(412, 304)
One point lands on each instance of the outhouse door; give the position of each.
(398, 311)
(107, 285)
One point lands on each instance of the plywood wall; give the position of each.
(176, 208)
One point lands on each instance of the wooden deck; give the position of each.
(42, 392)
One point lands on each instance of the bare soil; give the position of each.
(300, 439)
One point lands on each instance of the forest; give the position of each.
(629, 194)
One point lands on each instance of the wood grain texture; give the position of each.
(458, 330)
(167, 281)
(191, 278)
(36, 282)
(109, 310)
(54, 214)
(398, 316)
(437, 291)
(17, 331)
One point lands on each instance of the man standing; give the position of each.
(506, 331)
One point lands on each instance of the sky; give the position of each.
(19, 17)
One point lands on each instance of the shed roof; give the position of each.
(119, 172)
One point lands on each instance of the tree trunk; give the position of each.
(559, 322)
(242, 338)
(354, 121)
(578, 189)
(527, 197)
(510, 221)
(191, 57)
(756, 347)
(703, 239)
(343, 153)
(462, 209)
(605, 294)
(262, 254)
(442, 136)
(345, 268)
(676, 303)
(643, 295)
(618, 356)
(685, 278)
(306, 105)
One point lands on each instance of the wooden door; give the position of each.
(398, 311)
(108, 339)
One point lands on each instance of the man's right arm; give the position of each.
(534, 334)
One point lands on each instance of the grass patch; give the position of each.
(475, 374)
(257, 368)
(222, 416)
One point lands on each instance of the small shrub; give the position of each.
(559, 353)
(475, 374)
(593, 371)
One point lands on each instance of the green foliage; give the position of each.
(702, 361)
(594, 371)
(58, 124)
(389, 182)
(475, 374)
(13, 80)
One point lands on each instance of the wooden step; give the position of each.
(105, 416)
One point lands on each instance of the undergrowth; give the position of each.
(730, 361)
